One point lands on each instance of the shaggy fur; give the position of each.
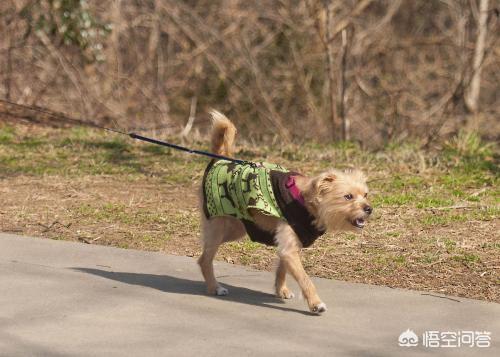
(338, 201)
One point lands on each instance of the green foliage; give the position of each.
(6, 134)
(449, 244)
(399, 259)
(467, 258)
(82, 151)
(398, 199)
(401, 182)
(246, 245)
(429, 258)
(469, 153)
(350, 236)
(155, 149)
(70, 23)
(432, 219)
(468, 144)
(428, 202)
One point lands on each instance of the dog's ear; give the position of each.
(324, 182)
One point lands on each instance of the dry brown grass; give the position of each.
(435, 225)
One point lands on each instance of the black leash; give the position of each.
(182, 148)
(175, 146)
(131, 135)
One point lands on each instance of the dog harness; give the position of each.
(231, 189)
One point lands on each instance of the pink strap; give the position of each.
(294, 190)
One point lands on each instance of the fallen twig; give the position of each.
(50, 226)
(477, 193)
(442, 297)
(434, 263)
(453, 207)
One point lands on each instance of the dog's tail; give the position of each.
(223, 133)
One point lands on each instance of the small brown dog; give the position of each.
(275, 207)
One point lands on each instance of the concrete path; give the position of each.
(69, 299)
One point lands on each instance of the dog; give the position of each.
(275, 207)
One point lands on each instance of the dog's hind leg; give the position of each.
(234, 229)
(212, 236)
(215, 232)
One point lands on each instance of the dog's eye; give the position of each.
(366, 195)
(348, 197)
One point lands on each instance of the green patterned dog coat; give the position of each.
(231, 189)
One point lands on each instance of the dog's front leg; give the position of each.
(281, 289)
(294, 265)
(288, 250)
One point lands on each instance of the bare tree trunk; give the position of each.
(342, 83)
(192, 117)
(8, 75)
(331, 70)
(154, 36)
(472, 95)
(113, 56)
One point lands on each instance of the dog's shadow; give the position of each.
(175, 285)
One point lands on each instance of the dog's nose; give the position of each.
(368, 209)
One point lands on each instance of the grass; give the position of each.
(434, 226)
(467, 258)
(82, 151)
(442, 220)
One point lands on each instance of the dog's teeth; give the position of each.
(360, 223)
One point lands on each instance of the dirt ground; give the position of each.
(435, 225)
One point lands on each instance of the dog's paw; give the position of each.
(284, 293)
(319, 308)
(220, 291)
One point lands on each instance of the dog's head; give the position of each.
(341, 200)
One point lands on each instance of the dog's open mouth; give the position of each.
(358, 222)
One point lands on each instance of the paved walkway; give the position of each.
(70, 299)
